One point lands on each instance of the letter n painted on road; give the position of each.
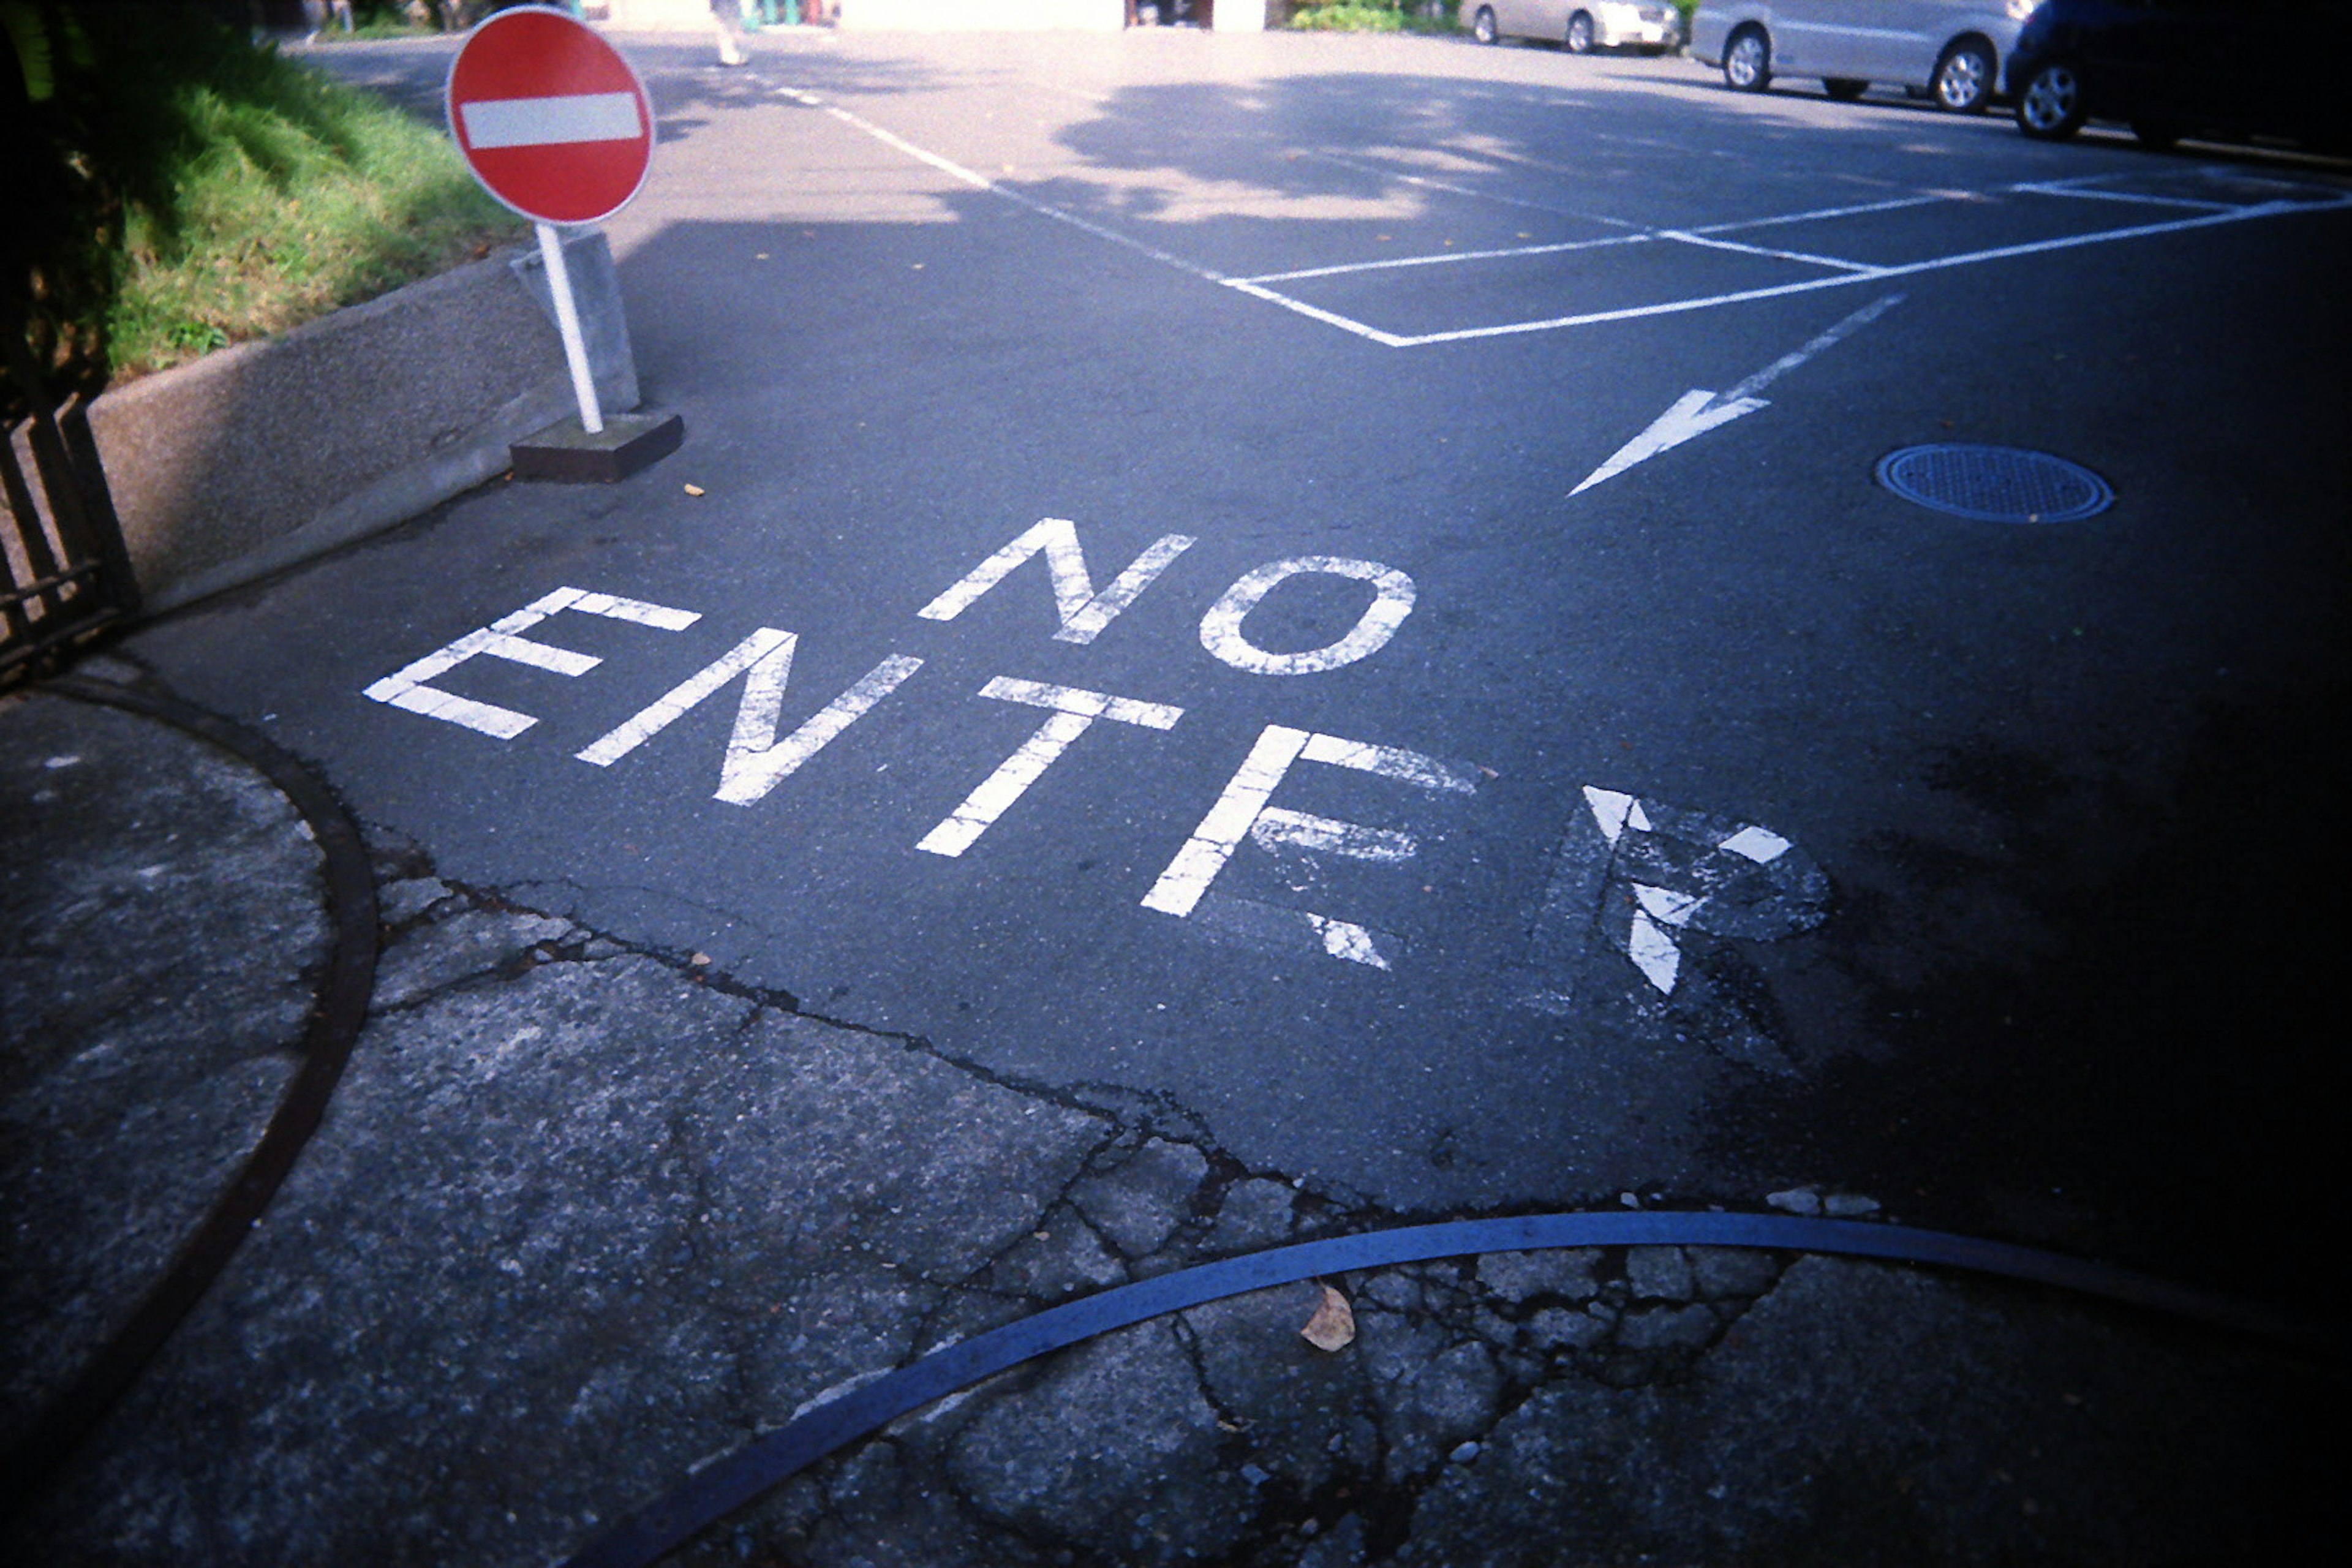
(1082, 612)
(756, 761)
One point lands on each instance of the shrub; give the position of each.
(181, 187)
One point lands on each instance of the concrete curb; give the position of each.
(266, 454)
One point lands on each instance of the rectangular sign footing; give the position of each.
(565, 450)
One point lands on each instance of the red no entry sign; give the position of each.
(552, 120)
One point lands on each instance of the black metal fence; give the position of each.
(66, 574)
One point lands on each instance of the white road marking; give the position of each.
(406, 688)
(1444, 257)
(1609, 808)
(1220, 628)
(1746, 882)
(1317, 313)
(1389, 761)
(1083, 613)
(1828, 337)
(680, 698)
(1693, 414)
(1849, 272)
(1697, 411)
(1074, 712)
(1900, 269)
(551, 122)
(1688, 236)
(1818, 214)
(1213, 843)
(1277, 826)
(1637, 234)
(1653, 953)
(756, 761)
(1284, 931)
(982, 183)
(1665, 905)
(1760, 844)
(2081, 186)
(1347, 940)
(1242, 812)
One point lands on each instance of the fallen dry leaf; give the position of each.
(1333, 1326)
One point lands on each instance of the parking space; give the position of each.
(1531, 246)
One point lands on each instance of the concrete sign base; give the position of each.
(629, 442)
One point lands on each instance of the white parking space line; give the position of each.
(1317, 313)
(2076, 188)
(982, 183)
(1444, 257)
(2208, 214)
(1901, 269)
(1687, 237)
(1859, 209)
(2085, 187)
(1689, 234)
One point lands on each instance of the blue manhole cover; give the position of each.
(1995, 484)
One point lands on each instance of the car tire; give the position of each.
(2050, 105)
(1748, 61)
(1579, 34)
(2156, 135)
(1964, 79)
(1844, 88)
(1483, 29)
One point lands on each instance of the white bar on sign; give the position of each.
(545, 121)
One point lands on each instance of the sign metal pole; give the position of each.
(567, 321)
(555, 123)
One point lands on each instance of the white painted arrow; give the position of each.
(1695, 412)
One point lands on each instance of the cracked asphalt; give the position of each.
(583, 1214)
(1731, 829)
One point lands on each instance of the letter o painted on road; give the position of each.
(1220, 628)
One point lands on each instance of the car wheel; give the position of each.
(2155, 134)
(1964, 78)
(1748, 63)
(1579, 34)
(1482, 25)
(1844, 88)
(2051, 107)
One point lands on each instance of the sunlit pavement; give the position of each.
(1476, 737)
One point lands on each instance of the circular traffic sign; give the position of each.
(549, 117)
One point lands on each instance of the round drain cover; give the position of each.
(1995, 484)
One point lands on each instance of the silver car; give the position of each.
(1950, 50)
(1580, 26)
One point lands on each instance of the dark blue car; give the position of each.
(2172, 68)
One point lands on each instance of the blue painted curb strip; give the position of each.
(722, 1487)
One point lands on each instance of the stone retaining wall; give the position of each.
(264, 454)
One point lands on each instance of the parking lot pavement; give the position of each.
(1328, 603)
(583, 1214)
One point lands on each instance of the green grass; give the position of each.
(293, 197)
(181, 189)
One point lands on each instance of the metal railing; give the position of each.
(67, 576)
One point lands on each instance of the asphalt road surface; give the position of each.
(1329, 764)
